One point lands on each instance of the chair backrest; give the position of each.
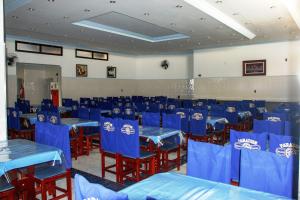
(244, 140)
(261, 126)
(83, 113)
(55, 135)
(128, 143)
(129, 113)
(231, 115)
(171, 121)
(184, 116)
(151, 119)
(271, 116)
(54, 118)
(209, 161)
(187, 103)
(154, 108)
(109, 128)
(95, 114)
(268, 172)
(217, 110)
(116, 112)
(260, 103)
(42, 116)
(283, 145)
(198, 122)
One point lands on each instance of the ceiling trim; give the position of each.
(210, 10)
(126, 33)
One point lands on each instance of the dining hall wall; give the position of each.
(221, 72)
(96, 84)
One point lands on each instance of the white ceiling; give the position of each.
(52, 21)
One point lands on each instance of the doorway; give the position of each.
(35, 82)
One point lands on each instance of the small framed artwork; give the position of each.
(254, 68)
(111, 72)
(81, 70)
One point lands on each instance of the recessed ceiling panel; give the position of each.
(131, 24)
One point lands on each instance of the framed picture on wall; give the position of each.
(111, 72)
(254, 68)
(81, 70)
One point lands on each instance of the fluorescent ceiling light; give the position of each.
(207, 8)
(294, 8)
(123, 32)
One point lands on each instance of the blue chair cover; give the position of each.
(286, 146)
(84, 190)
(171, 121)
(151, 119)
(198, 122)
(15, 119)
(154, 108)
(129, 114)
(267, 172)
(231, 116)
(117, 112)
(74, 109)
(187, 103)
(54, 117)
(171, 108)
(109, 129)
(209, 161)
(261, 126)
(128, 143)
(42, 116)
(184, 116)
(260, 103)
(244, 140)
(95, 114)
(83, 113)
(271, 116)
(54, 135)
(9, 117)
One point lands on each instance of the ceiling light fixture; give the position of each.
(146, 14)
(293, 7)
(87, 10)
(15, 17)
(179, 6)
(112, 1)
(66, 17)
(272, 7)
(219, 1)
(202, 18)
(31, 9)
(207, 8)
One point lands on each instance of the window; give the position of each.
(80, 53)
(38, 48)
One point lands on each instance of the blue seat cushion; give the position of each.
(4, 185)
(87, 190)
(168, 146)
(48, 171)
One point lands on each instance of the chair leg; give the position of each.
(178, 158)
(103, 164)
(138, 174)
(69, 185)
(43, 191)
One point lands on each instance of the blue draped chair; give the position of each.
(184, 116)
(244, 140)
(108, 148)
(117, 112)
(128, 146)
(261, 126)
(151, 119)
(283, 145)
(268, 172)
(84, 113)
(171, 144)
(58, 136)
(209, 161)
(54, 117)
(271, 116)
(20, 129)
(154, 108)
(198, 125)
(129, 113)
(75, 108)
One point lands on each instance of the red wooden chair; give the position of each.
(46, 176)
(134, 163)
(7, 191)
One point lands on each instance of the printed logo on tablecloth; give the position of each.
(128, 111)
(197, 116)
(274, 119)
(287, 149)
(230, 109)
(109, 127)
(182, 115)
(246, 143)
(199, 103)
(128, 129)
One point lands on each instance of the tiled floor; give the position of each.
(92, 164)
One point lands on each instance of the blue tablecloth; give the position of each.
(20, 153)
(76, 122)
(31, 117)
(156, 134)
(213, 120)
(105, 111)
(173, 186)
